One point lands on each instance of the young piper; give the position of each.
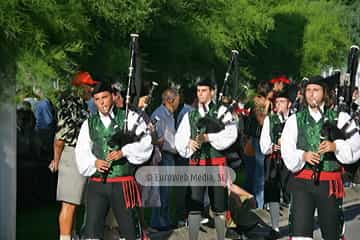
(99, 159)
(275, 171)
(315, 160)
(207, 147)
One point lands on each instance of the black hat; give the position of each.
(102, 87)
(289, 92)
(206, 82)
(327, 82)
(318, 80)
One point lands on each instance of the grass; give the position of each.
(41, 222)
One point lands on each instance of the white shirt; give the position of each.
(265, 138)
(220, 140)
(136, 153)
(292, 156)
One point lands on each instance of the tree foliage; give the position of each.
(308, 37)
(49, 40)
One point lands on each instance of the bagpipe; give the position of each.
(121, 137)
(275, 164)
(215, 124)
(126, 135)
(343, 94)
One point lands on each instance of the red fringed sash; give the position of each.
(336, 186)
(130, 188)
(219, 161)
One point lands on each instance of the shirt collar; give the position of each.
(316, 115)
(111, 112)
(207, 105)
(285, 115)
(166, 110)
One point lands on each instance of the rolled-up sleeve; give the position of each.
(265, 139)
(223, 139)
(291, 155)
(85, 159)
(140, 151)
(182, 138)
(346, 149)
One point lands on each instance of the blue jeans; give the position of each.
(160, 216)
(259, 174)
(255, 174)
(250, 173)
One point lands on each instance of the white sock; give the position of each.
(65, 237)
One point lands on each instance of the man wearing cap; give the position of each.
(275, 171)
(72, 112)
(279, 83)
(314, 160)
(203, 147)
(108, 165)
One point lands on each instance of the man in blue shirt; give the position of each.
(45, 123)
(165, 128)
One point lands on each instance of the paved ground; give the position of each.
(351, 210)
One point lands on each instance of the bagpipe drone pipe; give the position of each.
(345, 99)
(343, 94)
(211, 124)
(126, 135)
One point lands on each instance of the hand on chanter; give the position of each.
(102, 165)
(311, 157)
(326, 146)
(193, 145)
(114, 155)
(276, 147)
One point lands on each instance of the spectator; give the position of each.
(255, 165)
(45, 125)
(165, 129)
(72, 112)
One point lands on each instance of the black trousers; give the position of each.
(218, 196)
(306, 197)
(100, 197)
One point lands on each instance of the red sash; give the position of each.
(130, 188)
(219, 161)
(336, 186)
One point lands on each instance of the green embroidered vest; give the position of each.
(100, 136)
(206, 150)
(309, 138)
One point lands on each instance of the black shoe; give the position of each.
(232, 234)
(273, 235)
